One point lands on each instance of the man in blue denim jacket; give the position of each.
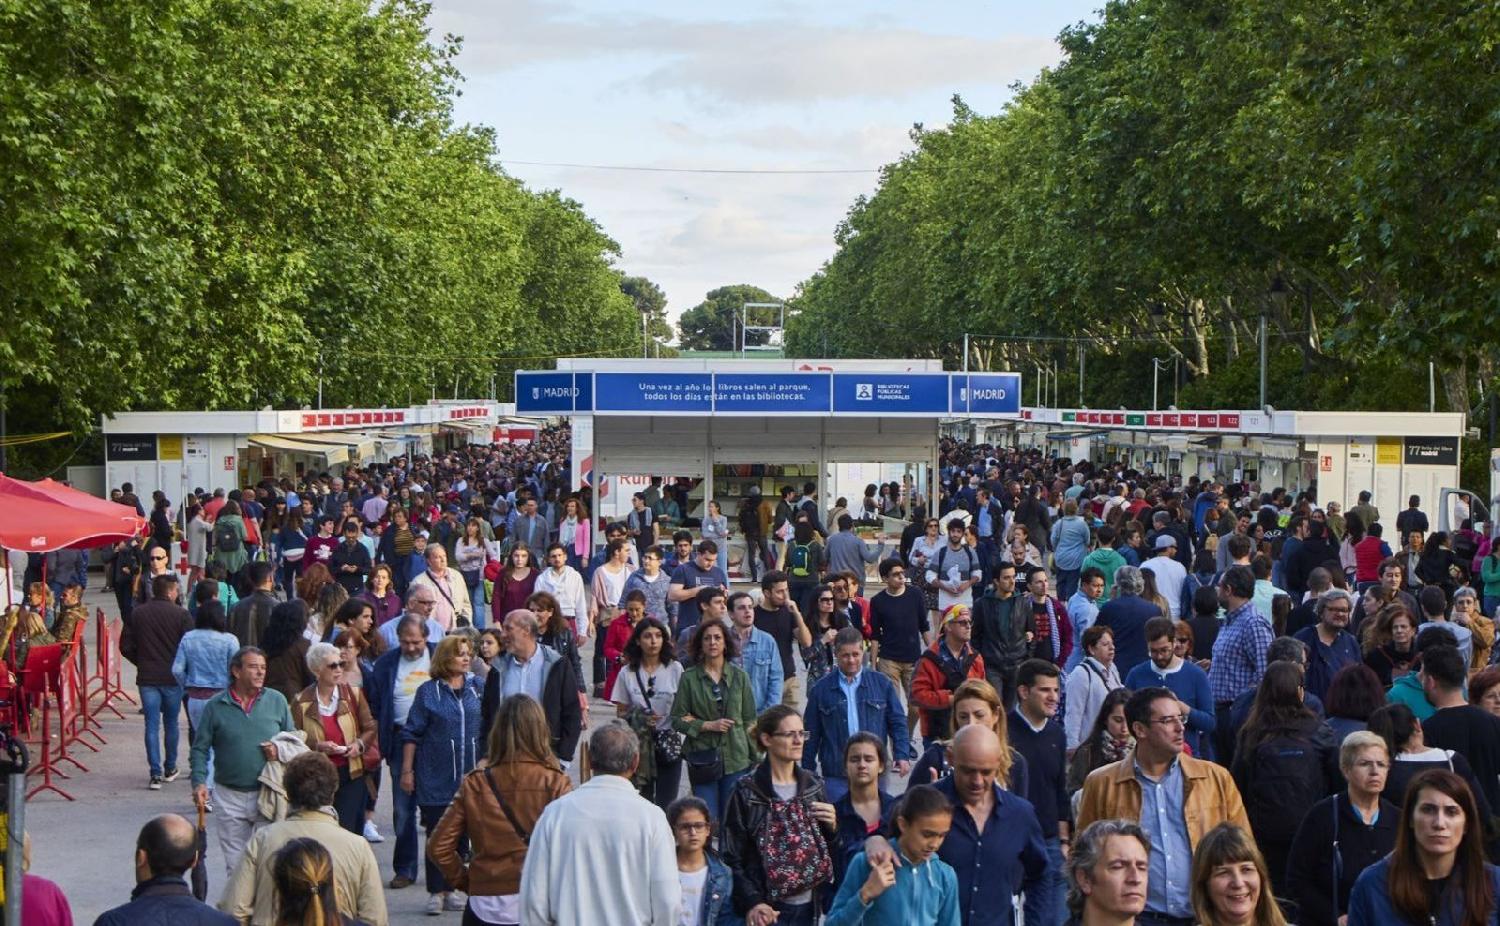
(849, 700)
(758, 656)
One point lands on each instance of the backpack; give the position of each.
(1286, 779)
(798, 560)
(793, 851)
(226, 538)
(953, 676)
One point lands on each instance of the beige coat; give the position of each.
(250, 896)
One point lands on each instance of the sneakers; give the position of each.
(170, 776)
(372, 832)
(434, 904)
(155, 784)
(456, 902)
(400, 881)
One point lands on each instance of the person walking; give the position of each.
(1230, 882)
(150, 640)
(165, 851)
(569, 839)
(847, 701)
(941, 669)
(1070, 538)
(643, 693)
(391, 690)
(1437, 874)
(311, 781)
(237, 727)
(1107, 873)
(336, 721)
(706, 880)
(780, 831)
(201, 668)
(1088, 685)
(1343, 835)
(439, 745)
(496, 810)
(714, 709)
(923, 890)
(899, 631)
(530, 667)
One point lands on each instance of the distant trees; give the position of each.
(714, 323)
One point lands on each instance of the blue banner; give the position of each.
(767, 393)
(989, 394)
(653, 393)
(545, 393)
(583, 392)
(890, 393)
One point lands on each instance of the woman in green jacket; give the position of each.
(714, 710)
(229, 542)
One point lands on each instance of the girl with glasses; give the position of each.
(706, 881)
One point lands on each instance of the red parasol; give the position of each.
(39, 517)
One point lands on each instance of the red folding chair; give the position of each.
(41, 681)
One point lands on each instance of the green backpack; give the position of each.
(799, 560)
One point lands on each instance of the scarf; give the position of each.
(1051, 626)
(1113, 750)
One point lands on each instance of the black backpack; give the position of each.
(226, 538)
(1286, 778)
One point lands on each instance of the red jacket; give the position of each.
(615, 639)
(932, 687)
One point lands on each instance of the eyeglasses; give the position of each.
(798, 735)
(1170, 721)
(961, 622)
(158, 559)
(336, 665)
(823, 598)
(693, 827)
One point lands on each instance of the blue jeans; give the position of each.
(1047, 905)
(476, 601)
(404, 821)
(195, 708)
(1491, 602)
(163, 706)
(716, 794)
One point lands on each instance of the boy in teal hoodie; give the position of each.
(923, 891)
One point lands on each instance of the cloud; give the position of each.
(771, 60)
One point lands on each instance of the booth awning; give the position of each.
(465, 427)
(1278, 449)
(332, 454)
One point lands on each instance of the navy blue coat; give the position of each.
(380, 691)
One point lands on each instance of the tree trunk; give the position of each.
(1455, 380)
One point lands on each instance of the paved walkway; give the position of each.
(87, 846)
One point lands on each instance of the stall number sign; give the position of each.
(1325, 462)
(229, 463)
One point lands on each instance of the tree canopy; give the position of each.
(714, 323)
(208, 203)
(1144, 196)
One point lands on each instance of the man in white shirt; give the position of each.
(955, 570)
(564, 583)
(1170, 574)
(451, 607)
(568, 839)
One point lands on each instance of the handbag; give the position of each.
(669, 741)
(371, 756)
(521, 831)
(706, 766)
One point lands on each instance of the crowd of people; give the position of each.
(1076, 693)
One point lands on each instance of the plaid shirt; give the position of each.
(1239, 655)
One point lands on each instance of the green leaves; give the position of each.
(202, 202)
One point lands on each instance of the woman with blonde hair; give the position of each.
(495, 811)
(303, 872)
(440, 744)
(1229, 881)
(974, 702)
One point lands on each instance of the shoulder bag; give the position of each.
(521, 831)
(706, 766)
(669, 741)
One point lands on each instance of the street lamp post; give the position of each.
(1157, 365)
(1279, 291)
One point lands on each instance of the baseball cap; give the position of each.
(1165, 541)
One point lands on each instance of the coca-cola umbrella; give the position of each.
(40, 518)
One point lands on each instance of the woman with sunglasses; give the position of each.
(826, 623)
(337, 722)
(924, 550)
(643, 693)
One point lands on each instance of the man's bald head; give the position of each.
(167, 846)
(976, 742)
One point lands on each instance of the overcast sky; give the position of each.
(833, 85)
